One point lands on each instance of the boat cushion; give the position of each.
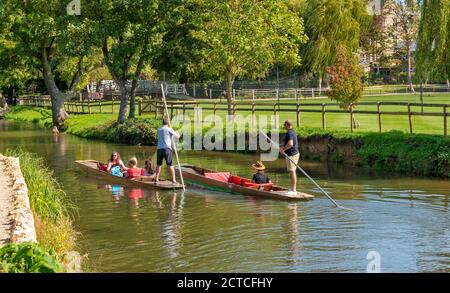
(236, 180)
(103, 168)
(245, 181)
(219, 176)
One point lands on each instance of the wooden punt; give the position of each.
(90, 167)
(202, 177)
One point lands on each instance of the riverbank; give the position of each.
(52, 221)
(394, 151)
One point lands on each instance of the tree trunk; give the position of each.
(59, 115)
(123, 102)
(411, 87)
(132, 113)
(134, 85)
(230, 81)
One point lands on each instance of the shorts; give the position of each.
(291, 166)
(162, 154)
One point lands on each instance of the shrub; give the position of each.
(28, 258)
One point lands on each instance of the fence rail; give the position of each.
(156, 108)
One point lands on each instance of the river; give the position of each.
(402, 220)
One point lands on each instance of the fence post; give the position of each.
(234, 94)
(253, 114)
(100, 106)
(140, 106)
(194, 90)
(112, 103)
(298, 114)
(296, 95)
(184, 109)
(210, 93)
(312, 92)
(351, 117)
(278, 98)
(445, 120)
(156, 109)
(410, 118)
(379, 116)
(253, 94)
(323, 116)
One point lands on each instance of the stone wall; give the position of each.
(23, 229)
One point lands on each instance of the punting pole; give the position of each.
(173, 142)
(306, 174)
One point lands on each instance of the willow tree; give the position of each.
(330, 24)
(433, 42)
(244, 38)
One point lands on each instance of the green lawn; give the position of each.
(334, 121)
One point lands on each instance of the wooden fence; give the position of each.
(156, 108)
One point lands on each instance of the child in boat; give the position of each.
(149, 169)
(260, 177)
(132, 170)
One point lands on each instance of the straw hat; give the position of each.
(259, 166)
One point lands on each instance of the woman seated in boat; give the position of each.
(132, 170)
(115, 165)
(149, 169)
(260, 177)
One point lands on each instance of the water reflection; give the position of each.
(405, 219)
(293, 234)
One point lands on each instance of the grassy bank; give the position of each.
(52, 212)
(417, 154)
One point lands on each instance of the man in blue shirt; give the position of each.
(164, 149)
(290, 148)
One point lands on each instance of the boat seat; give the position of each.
(220, 176)
(267, 186)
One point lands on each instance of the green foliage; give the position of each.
(244, 38)
(329, 24)
(433, 41)
(47, 198)
(28, 258)
(134, 131)
(420, 154)
(345, 79)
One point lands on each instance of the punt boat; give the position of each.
(224, 181)
(91, 167)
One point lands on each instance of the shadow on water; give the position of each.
(133, 230)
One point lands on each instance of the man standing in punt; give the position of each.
(164, 149)
(290, 148)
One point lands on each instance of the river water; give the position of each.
(402, 220)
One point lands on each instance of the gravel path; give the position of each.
(5, 205)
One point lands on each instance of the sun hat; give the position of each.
(259, 166)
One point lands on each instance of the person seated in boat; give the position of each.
(115, 165)
(149, 168)
(260, 177)
(132, 170)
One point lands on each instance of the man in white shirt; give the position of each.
(164, 149)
